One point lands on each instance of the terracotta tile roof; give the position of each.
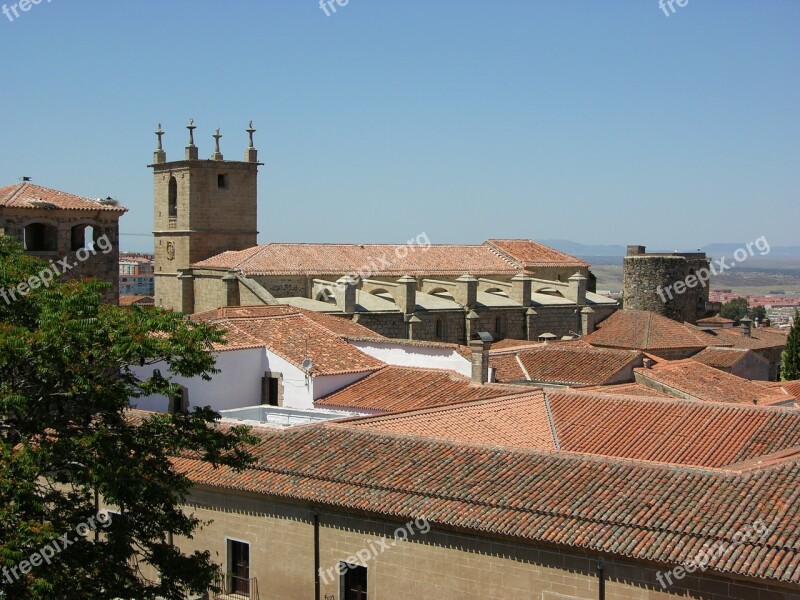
(508, 344)
(720, 358)
(642, 511)
(643, 330)
(394, 388)
(760, 339)
(563, 364)
(716, 320)
(792, 388)
(340, 259)
(293, 334)
(625, 389)
(531, 254)
(140, 300)
(701, 382)
(520, 421)
(29, 195)
(680, 432)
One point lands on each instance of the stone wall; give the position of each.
(649, 283)
(436, 565)
(97, 264)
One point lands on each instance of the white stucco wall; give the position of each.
(324, 385)
(296, 392)
(397, 353)
(237, 385)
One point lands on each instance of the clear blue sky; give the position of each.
(599, 122)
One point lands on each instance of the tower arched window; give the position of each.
(173, 198)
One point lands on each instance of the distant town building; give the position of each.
(54, 225)
(136, 275)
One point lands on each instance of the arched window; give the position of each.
(173, 198)
(40, 237)
(438, 333)
(82, 236)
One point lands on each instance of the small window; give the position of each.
(354, 582)
(238, 580)
(222, 181)
(439, 330)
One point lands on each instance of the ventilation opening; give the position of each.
(222, 181)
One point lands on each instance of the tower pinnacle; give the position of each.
(217, 154)
(191, 149)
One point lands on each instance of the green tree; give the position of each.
(68, 438)
(758, 312)
(736, 309)
(790, 358)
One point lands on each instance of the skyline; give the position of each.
(611, 124)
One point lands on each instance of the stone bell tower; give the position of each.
(201, 208)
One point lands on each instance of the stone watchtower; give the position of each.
(201, 208)
(675, 285)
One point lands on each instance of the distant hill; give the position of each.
(611, 253)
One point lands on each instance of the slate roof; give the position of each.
(394, 388)
(30, 195)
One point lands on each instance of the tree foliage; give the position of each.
(790, 358)
(737, 309)
(67, 371)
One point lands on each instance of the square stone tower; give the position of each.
(201, 208)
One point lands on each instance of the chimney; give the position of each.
(577, 289)
(414, 326)
(346, 295)
(648, 363)
(521, 289)
(406, 299)
(466, 292)
(746, 324)
(472, 320)
(635, 250)
(587, 320)
(530, 324)
(231, 289)
(480, 358)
